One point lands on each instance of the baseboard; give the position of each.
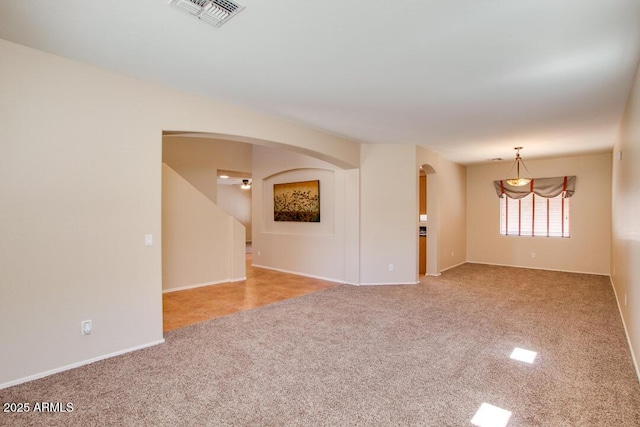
(297, 273)
(626, 332)
(78, 364)
(197, 285)
(390, 283)
(453, 266)
(327, 279)
(352, 284)
(533, 268)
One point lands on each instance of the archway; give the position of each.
(340, 195)
(266, 143)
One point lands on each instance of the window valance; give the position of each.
(543, 187)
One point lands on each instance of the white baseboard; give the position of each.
(626, 332)
(199, 285)
(453, 266)
(390, 284)
(297, 273)
(328, 279)
(534, 268)
(78, 364)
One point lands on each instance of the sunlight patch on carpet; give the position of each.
(523, 355)
(491, 416)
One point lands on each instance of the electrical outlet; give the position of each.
(451, 253)
(625, 300)
(86, 327)
(390, 267)
(533, 254)
(258, 253)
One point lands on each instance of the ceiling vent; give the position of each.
(214, 12)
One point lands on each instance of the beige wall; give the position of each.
(81, 186)
(238, 250)
(198, 159)
(625, 247)
(588, 248)
(388, 214)
(311, 249)
(197, 238)
(236, 202)
(452, 185)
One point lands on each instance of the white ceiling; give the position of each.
(469, 79)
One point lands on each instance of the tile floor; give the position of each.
(183, 308)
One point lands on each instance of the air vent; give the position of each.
(214, 12)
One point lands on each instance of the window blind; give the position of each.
(535, 216)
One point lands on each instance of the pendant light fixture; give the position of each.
(214, 12)
(519, 181)
(246, 184)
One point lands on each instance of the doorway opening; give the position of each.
(213, 169)
(234, 197)
(427, 222)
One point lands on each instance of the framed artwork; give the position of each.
(297, 201)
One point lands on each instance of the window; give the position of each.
(534, 216)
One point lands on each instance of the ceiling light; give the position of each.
(246, 184)
(214, 12)
(224, 176)
(519, 181)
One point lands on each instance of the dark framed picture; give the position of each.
(297, 201)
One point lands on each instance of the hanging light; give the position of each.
(519, 181)
(214, 12)
(246, 184)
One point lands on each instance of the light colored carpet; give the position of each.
(426, 355)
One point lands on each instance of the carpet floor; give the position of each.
(425, 355)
